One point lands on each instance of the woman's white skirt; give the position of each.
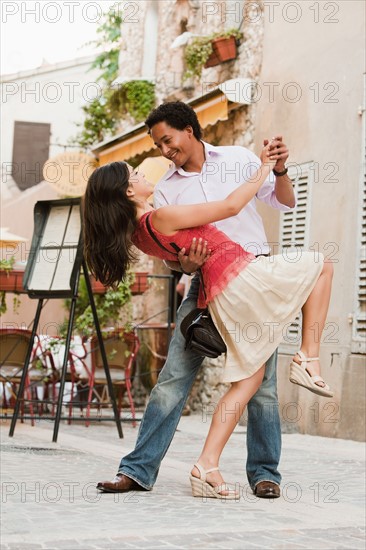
(255, 310)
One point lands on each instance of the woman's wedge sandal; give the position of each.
(301, 376)
(201, 488)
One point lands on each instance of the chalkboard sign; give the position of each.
(56, 250)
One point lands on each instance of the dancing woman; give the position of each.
(240, 290)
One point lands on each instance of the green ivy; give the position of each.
(98, 121)
(6, 265)
(96, 125)
(109, 307)
(3, 307)
(136, 97)
(196, 54)
(110, 40)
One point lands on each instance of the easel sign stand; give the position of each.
(53, 271)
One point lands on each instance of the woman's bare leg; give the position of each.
(314, 314)
(226, 416)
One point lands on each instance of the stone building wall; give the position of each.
(176, 16)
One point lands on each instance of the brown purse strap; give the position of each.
(153, 236)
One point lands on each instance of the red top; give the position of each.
(227, 258)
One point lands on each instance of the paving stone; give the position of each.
(49, 498)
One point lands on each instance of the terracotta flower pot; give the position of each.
(11, 281)
(224, 49)
(139, 286)
(141, 283)
(212, 61)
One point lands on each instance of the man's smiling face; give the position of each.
(175, 145)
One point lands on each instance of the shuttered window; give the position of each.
(30, 151)
(359, 325)
(294, 224)
(294, 232)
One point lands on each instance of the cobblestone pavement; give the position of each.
(49, 498)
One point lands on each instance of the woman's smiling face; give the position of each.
(140, 187)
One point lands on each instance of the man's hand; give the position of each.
(278, 151)
(198, 254)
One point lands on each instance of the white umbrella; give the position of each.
(154, 168)
(9, 239)
(68, 172)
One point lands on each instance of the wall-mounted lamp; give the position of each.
(182, 39)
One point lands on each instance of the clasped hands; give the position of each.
(275, 150)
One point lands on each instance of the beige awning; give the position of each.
(210, 108)
(127, 149)
(211, 111)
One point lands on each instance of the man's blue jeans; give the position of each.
(167, 401)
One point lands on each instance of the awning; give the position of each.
(211, 111)
(210, 108)
(125, 150)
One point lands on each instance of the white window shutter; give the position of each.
(359, 324)
(295, 223)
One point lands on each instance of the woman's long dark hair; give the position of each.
(109, 218)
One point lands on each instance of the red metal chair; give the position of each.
(77, 369)
(121, 349)
(14, 344)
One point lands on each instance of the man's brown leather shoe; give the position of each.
(120, 484)
(267, 489)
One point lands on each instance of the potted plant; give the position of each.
(139, 285)
(211, 50)
(114, 310)
(113, 307)
(11, 280)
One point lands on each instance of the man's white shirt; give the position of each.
(224, 169)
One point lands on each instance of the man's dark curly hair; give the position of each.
(177, 114)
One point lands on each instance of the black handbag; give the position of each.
(197, 327)
(201, 335)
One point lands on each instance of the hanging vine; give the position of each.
(135, 97)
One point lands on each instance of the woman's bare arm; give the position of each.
(170, 219)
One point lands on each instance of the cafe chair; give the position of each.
(14, 344)
(77, 373)
(121, 349)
